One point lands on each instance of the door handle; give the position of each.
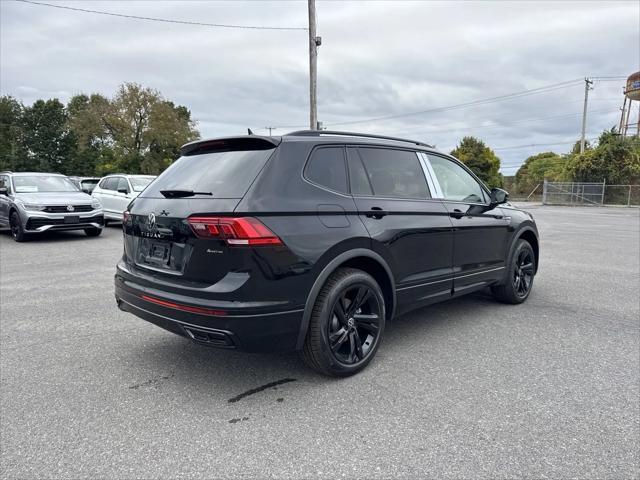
(457, 213)
(376, 212)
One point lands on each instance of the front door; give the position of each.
(480, 232)
(4, 200)
(409, 228)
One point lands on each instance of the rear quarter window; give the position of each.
(226, 174)
(326, 167)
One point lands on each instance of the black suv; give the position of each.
(313, 240)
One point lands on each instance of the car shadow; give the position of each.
(49, 237)
(199, 368)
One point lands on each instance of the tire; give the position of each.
(520, 274)
(93, 232)
(348, 315)
(17, 232)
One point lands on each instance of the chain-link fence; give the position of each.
(588, 193)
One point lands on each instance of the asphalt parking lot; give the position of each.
(469, 388)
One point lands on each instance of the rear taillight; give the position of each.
(235, 231)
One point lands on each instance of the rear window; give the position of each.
(227, 174)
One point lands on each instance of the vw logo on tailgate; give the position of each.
(151, 220)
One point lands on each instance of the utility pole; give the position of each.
(314, 43)
(587, 87)
(269, 128)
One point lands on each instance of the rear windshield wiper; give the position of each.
(182, 193)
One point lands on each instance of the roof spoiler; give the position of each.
(226, 144)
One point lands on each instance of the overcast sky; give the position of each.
(377, 59)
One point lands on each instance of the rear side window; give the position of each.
(394, 173)
(226, 174)
(357, 174)
(109, 183)
(326, 167)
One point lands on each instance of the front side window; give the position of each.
(122, 185)
(42, 183)
(456, 183)
(394, 173)
(326, 167)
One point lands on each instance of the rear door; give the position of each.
(121, 195)
(104, 193)
(408, 227)
(480, 232)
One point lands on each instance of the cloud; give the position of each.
(377, 59)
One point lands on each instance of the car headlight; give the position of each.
(34, 207)
(95, 204)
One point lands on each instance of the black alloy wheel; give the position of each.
(16, 227)
(521, 270)
(354, 325)
(346, 324)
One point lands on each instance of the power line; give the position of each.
(539, 144)
(163, 20)
(484, 101)
(508, 123)
(523, 93)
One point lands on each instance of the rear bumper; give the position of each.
(247, 329)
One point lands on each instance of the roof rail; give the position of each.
(6, 171)
(317, 133)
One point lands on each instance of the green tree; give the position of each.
(93, 144)
(49, 144)
(615, 159)
(147, 131)
(480, 159)
(536, 168)
(11, 133)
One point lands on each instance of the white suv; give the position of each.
(117, 190)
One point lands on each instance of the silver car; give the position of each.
(39, 202)
(116, 191)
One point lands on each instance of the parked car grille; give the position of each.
(35, 222)
(63, 208)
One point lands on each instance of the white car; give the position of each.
(117, 190)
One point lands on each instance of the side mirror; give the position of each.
(123, 190)
(499, 196)
(4, 191)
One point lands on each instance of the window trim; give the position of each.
(382, 197)
(344, 163)
(483, 187)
